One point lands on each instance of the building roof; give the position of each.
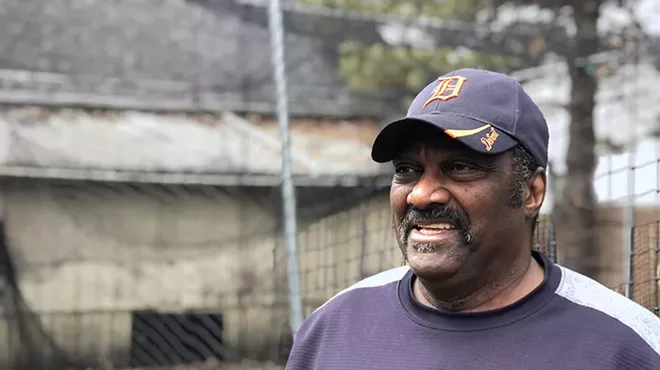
(161, 54)
(215, 54)
(173, 148)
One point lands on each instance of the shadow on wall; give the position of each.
(28, 345)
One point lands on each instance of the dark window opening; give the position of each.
(163, 339)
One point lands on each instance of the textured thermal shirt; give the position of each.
(569, 322)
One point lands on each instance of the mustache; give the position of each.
(415, 216)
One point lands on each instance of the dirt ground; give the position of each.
(215, 365)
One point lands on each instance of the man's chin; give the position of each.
(450, 246)
(426, 248)
(435, 260)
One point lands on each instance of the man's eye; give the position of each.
(404, 169)
(460, 167)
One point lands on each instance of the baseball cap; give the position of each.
(487, 111)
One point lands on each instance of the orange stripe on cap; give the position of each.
(460, 133)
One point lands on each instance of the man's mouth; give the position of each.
(433, 229)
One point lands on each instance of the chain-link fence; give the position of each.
(141, 214)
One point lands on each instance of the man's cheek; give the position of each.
(395, 226)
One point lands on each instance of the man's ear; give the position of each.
(535, 194)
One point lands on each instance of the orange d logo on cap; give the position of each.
(448, 88)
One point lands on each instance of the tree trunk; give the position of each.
(576, 224)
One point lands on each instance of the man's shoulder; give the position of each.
(600, 300)
(368, 293)
(364, 286)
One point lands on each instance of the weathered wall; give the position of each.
(89, 254)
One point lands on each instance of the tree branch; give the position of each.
(524, 40)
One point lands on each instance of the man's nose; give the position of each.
(429, 190)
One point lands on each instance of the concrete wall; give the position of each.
(89, 254)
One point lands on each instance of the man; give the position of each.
(469, 180)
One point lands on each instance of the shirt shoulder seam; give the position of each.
(585, 292)
(375, 281)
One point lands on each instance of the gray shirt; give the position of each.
(569, 322)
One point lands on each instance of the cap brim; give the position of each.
(476, 135)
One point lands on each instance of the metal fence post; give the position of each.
(288, 189)
(634, 48)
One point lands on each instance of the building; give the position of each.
(139, 170)
(128, 212)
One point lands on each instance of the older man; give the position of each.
(469, 180)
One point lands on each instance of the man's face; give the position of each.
(452, 207)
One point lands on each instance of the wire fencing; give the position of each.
(645, 266)
(142, 216)
(188, 274)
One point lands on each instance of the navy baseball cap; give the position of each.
(487, 111)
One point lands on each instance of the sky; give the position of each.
(648, 12)
(612, 17)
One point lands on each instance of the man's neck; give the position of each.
(502, 291)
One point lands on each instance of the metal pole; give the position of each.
(629, 206)
(288, 189)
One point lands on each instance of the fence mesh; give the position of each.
(141, 211)
(645, 266)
